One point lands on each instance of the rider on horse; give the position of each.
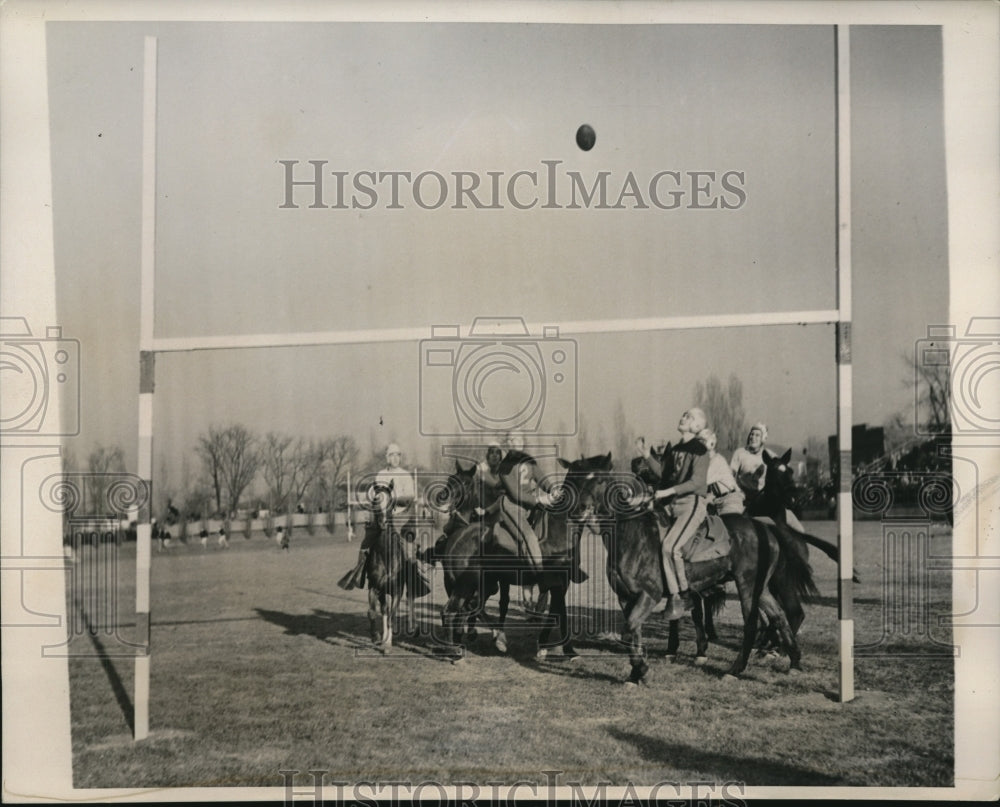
(491, 487)
(526, 490)
(747, 463)
(750, 469)
(403, 497)
(725, 495)
(684, 479)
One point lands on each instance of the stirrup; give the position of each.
(675, 608)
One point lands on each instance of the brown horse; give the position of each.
(385, 568)
(631, 538)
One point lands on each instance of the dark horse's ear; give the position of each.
(786, 457)
(606, 462)
(564, 463)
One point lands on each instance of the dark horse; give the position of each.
(773, 502)
(476, 565)
(465, 505)
(635, 572)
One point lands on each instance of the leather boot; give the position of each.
(675, 608)
(356, 577)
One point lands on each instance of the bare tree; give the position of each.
(277, 468)
(933, 393)
(231, 457)
(309, 460)
(102, 463)
(70, 463)
(435, 458)
(582, 437)
(340, 454)
(724, 408)
(624, 439)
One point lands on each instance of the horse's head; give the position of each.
(779, 481)
(602, 493)
(584, 483)
(381, 498)
(457, 495)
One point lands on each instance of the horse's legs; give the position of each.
(452, 617)
(636, 612)
(701, 640)
(500, 642)
(374, 611)
(710, 633)
(476, 606)
(637, 657)
(745, 589)
(780, 624)
(562, 620)
(673, 638)
(547, 624)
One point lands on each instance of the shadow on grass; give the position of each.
(749, 771)
(353, 630)
(117, 686)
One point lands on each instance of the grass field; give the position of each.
(260, 664)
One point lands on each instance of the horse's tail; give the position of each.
(793, 566)
(715, 600)
(828, 548)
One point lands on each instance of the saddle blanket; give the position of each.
(709, 542)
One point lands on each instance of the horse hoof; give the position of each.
(729, 678)
(541, 654)
(630, 686)
(500, 645)
(700, 661)
(458, 660)
(671, 657)
(795, 670)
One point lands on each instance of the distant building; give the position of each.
(867, 445)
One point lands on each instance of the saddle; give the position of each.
(709, 542)
(498, 540)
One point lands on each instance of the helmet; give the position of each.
(393, 449)
(708, 438)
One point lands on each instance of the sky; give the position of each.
(235, 99)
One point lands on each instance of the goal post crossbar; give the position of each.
(573, 328)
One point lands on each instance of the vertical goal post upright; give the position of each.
(845, 506)
(149, 346)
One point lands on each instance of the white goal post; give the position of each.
(149, 346)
